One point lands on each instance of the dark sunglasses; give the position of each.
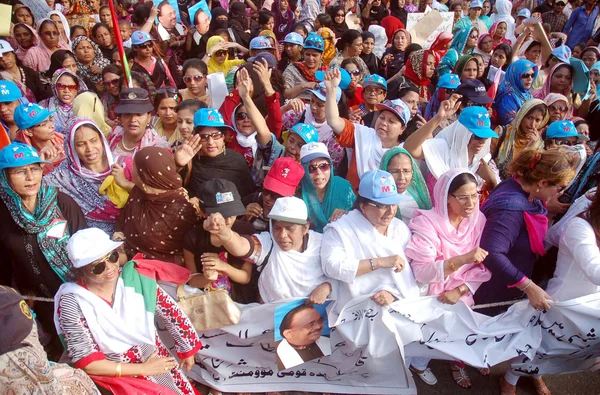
(321, 166)
(566, 142)
(240, 116)
(188, 78)
(215, 136)
(144, 45)
(354, 72)
(313, 44)
(114, 82)
(100, 267)
(559, 108)
(62, 87)
(528, 75)
(220, 53)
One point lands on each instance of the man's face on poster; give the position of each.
(305, 328)
(168, 17)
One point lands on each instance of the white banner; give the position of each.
(425, 27)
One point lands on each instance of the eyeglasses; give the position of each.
(65, 87)
(371, 90)
(173, 91)
(220, 53)
(566, 143)
(50, 34)
(382, 207)
(312, 169)
(189, 78)
(464, 199)
(559, 108)
(110, 83)
(100, 267)
(22, 173)
(311, 324)
(397, 172)
(340, 15)
(144, 45)
(559, 188)
(354, 72)
(526, 76)
(240, 116)
(215, 136)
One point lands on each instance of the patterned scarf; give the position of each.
(416, 72)
(98, 60)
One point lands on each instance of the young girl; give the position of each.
(165, 121)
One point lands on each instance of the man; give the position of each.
(556, 18)
(302, 341)
(580, 25)
(200, 27)
(172, 34)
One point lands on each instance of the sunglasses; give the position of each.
(240, 116)
(100, 267)
(526, 76)
(354, 72)
(566, 143)
(221, 53)
(215, 136)
(110, 83)
(559, 108)
(173, 91)
(51, 34)
(189, 78)
(474, 36)
(144, 45)
(64, 87)
(321, 166)
(340, 15)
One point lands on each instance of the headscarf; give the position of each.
(89, 105)
(216, 24)
(462, 62)
(20, 51)
(439, 43)
(380, 40)
(149, 139)
(398, 12)
(512, 94)
(416, 72)
(56, 61)
(485, 55)
(82, 184)
(213, 65)
(338, 28)
(544, 91)
(161, 220)
(284, 22)
(270, 34)
(17, 7)
(504, 9)
(370, 59)
(391, 24)
(98, 60)
(492, 33)
(57, 141)
(62, 111)
(66, 39)
(417, 187)
(38, 56)
(457, 47)
(448, 62)
(329, 50)
(237, 13)
(339, 194)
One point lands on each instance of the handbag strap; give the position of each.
(180, 292)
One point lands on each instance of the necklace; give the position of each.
(126, 148)
(23, 76)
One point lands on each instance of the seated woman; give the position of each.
(558, 107)
(560, 80)
(165, 121)
(300, 76)
(327, 196)
(409, 182)
(288, 257)
(444, 248)
(111, 78)
(88, 163)
(515, 90)
(563, 133)
(158, 212)
(107, 320)
(66, 85)
(28, 80)
(89, 60)
(146, 62)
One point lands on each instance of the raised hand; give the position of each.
(186, 151)
(333, 77)
(244, 84)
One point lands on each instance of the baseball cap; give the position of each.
(560, 1)
(89, 245)
(209, 118)
(9, 92)
(284, 176)
(320, 92)
(312, 151)
(314, 41)
(564, 129)
(140, 37)
(344, 82)
(477, 120)
(375, 80)
(397, 107)
(16, 320)
(449, 81)
(18, 154)
(269, 57)
(379, 186)
(476, 4)
(563, 53)
(308, 132)
(290, 209)
(474, 90)
(30, 114)
(220, 196)
(5, 47)
(294, 38)
(524, 13)
(134, 101)
(260, 42)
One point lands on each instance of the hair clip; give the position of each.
(536, 158)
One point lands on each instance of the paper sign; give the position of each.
(173, 4)
(5, 13)
(39, 8)
(425, 27)
(201, 5)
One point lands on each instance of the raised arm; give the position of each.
(244, 86)
(274, 116)
(222, 235)
(540, 35)
(332, 113)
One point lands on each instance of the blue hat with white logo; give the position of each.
(30, 114)
(379, 186)
(375, 80)
(308, 133)
(18, 154)
(344, 82)
(294, 38)
(449, 81)
(209, 118)
(261, 42)
(476, 4)
(314, 41)
(396, 107)
(9, 92)
(320, 92)
(563, 53)
(477, 120)
(140, 37)
(524, 13)
(563, 130)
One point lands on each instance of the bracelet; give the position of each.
(451, 264)
(118, 374)
(527, 286)
(372, 264)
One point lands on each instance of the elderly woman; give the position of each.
(87, 165)
(107, 320)
(327, 196)
(444, 249)
(515, 90)
(300, 76)
(38, 56)
(37, 222)
(558, 107)
(89, 59)
(66, 85)
(158, 212)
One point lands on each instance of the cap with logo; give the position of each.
(209, 118)
(9, 92)
(344, 82)
(477, 120)
(290, 209)
(269, 57)
(308, 132)
(140, 37)
(30, 115)
(89, 245)
(396, 107)
(375, 80)
(18, 154)
(134, 101)
(560, 1)
(524, 13)
(474, 90)
(261, 42)
(476, 4)
(449, 81)
(294, 38)
(5, 47)
(312, 151)
(379, 186)
(284, 176)
(220, 196)
(320, 92)
(564, 129)
(314, 41)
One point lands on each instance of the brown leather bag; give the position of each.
(210, 310)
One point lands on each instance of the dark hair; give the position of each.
(56, 61)
(324, 20)
(581, 122)
(75, 28)
(367, 34)
(507, 49)
(197, 64)
(582, 45)
(557, 166)
(264, 16)
(455, 4)
(161, 5)
(112, 68)
(190, 104)
(533, 45)
(300, 26)
(541, 108)
(286, 322)
(348, 61)
(143, 80)
(48, 21)
(96, 27)
(103, 7)
(410, 49)
(347, 39)
(140, 14)
(592, 49)
(165, 93)
(460, 180)
(14, 16)
(258, 95)
(406, 89)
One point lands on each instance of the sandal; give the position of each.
(426, 375)
(460, 376)
(484, 371)
(506, 388)
(540, 387)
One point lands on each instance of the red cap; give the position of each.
(284, 176)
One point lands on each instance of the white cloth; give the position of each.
(380, 40)
(580, 205)
(289, 357)
(353, 238)
(197, 37)
(164, 34)
(504, 8)
(367, 148)
(289, 274)
(407, 207)
(65, 24)
(323, 128)
(247, 141)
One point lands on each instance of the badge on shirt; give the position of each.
(58, 228)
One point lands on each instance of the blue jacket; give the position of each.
(580, 26)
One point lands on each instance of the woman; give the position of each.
(367, 54)
(35, 263)
(484, 48)
(38, 56)
(409, 182)
(165, 121)
(558, 107)
(90, 61)
(101, 35)
(88, 105)
(239, 23)
(274, 43)
(498, 33)
(500, 60)
(300, 76)
(23, 14)
(466, 68)
(590, 55)
(559, 80)
(65, 86)
(146, 63)
(63, 26)
(195, 73)
(26, 38)
(118, 345)
(419, 70)
(88, 163)
(61, 59)
(338, 16)
(284, 18)
(514, 90)
(400, 10)
(444, 248)
(27, 80)
(392, 60)
(463, 43)
(217, 56)
(350, 46)
(111, 80)
(327, 196)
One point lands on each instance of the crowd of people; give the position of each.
(284, 149)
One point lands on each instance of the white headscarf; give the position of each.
(65, 24)
(502, 14)
(380, 40)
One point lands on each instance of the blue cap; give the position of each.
(449, 81)
(209, 118)
(18, 154)
(140, 37)
(375, 80)
(524, 13)
(344, 82)
(476, 4)
(563, 53)
(294, 38)
(397, 107)
(9, 92)
(30, 114)
(562, 130)
(260, 42)
(596, 66)
(379, 186)
(308, 133)
(314, 41)
(477, 120)
(320, 92)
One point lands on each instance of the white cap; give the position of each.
(89, 245)
(289, 209)
(5, 47)
(312, 151)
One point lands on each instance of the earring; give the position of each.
(537, 190)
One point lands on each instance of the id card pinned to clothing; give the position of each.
(58, 229)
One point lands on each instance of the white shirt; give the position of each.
(407, 207)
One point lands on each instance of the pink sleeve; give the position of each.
(424, 261)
